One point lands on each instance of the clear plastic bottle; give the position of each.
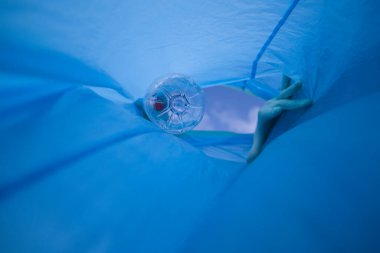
(175, 103)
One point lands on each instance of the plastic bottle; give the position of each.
(175, 103)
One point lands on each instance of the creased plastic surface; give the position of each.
(82, 171)
(137, 41)
(315, 187)
(94, 176)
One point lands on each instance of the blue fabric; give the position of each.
(83, 171)
(315, 187)
(136, 42)
(272, 36)
(94, 176)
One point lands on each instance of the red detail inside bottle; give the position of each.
(159, 105)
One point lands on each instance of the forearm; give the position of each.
(264, 127)
(270, 112)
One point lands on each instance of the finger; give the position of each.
(269, 113)
(290, 91)
(285, 82)
(276, 111)
(287, 104)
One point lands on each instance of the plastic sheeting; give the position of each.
(135, 42)
(82, 171)
(315, 186)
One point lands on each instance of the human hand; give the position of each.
(271, 110)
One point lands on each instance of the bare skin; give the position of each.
(267, 115)
(271, 110)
